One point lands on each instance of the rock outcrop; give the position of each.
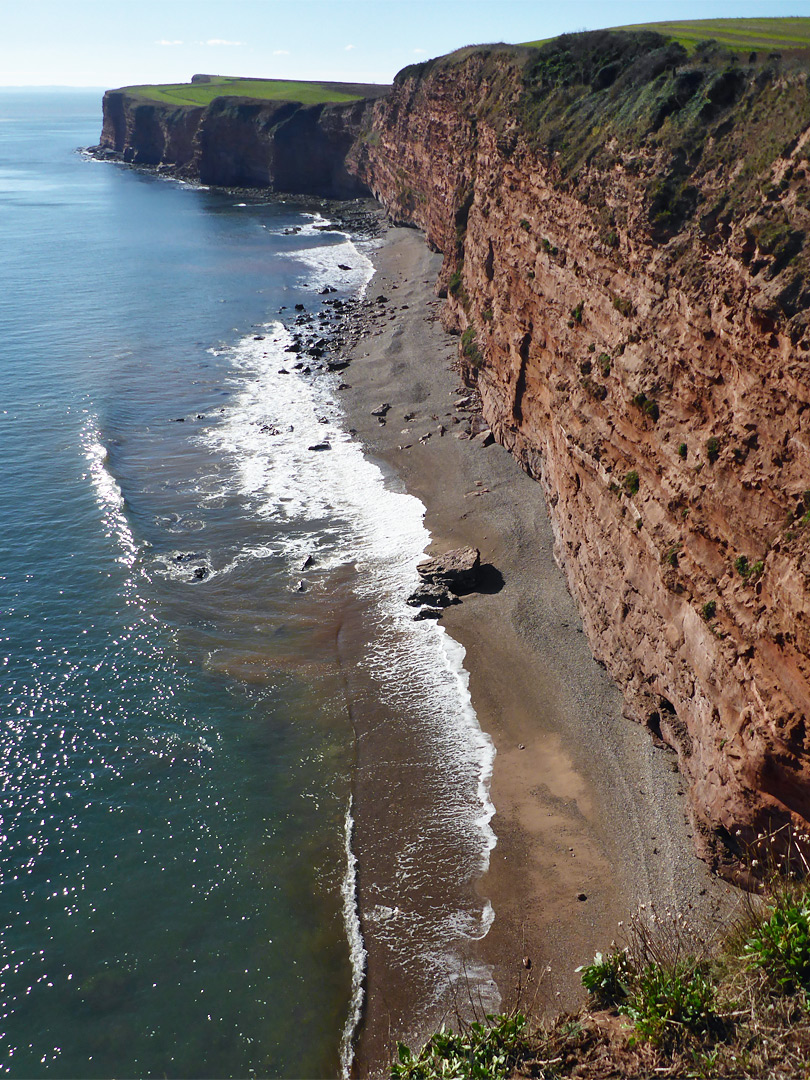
(624, 232)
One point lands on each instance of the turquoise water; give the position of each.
(178, 738)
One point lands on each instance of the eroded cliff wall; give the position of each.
(624, 232)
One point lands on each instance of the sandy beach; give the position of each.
(590, 815)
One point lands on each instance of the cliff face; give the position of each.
(239, 142)
(281, 145)
(624, 232)
(148, 132)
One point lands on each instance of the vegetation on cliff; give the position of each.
(706, 132)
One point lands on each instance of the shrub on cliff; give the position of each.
(469, 347)
(631, 482)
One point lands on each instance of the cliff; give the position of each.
(238, 142)
(624, 231)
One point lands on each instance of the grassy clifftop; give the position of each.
(202, 93)
(787, 34)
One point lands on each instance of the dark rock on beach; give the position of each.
(428, 613)
(433, 595)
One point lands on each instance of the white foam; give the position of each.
(109, 496)
(338, 500)
(357, 951)
(324, 263)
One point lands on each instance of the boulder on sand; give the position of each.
(458, 570)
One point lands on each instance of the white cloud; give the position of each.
(163, 41)
(419, 52)
(281, 52)
(222, 41)
(350, 47)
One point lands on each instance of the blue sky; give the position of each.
(109, 43)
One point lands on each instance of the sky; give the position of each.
(108, 43)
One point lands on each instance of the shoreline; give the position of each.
(586, 804)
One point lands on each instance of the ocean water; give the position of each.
(202, 624)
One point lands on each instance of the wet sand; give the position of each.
(586, 804)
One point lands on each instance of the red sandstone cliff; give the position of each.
(624, 232)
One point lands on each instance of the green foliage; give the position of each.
(756, 570)
(469, 347)
(682, 450)
(548, 247)
(709, 610)
(623, 306)
(712, 448)
(631, 482)
(486, 315)
(649, 406)
(781, 944)
(454, 284)
(607, 978)
(666, 1001)
(525, 225)
(604, 364)
(741, 566)
(478, 1052)
(576, 313)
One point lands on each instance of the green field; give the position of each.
(203, 93)
(740, 34)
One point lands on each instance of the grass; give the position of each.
(786, 34)
(203, 93)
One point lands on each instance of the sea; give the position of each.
(201, 619)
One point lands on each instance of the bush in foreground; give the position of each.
(664, 1005)
(487, 1051)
